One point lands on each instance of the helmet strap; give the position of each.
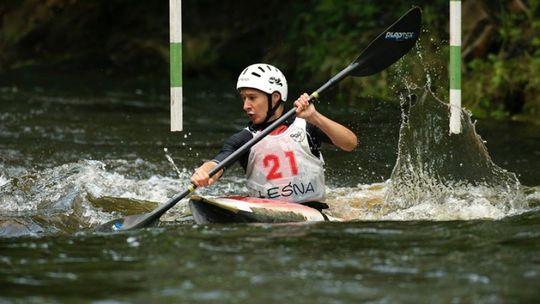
(271, 110)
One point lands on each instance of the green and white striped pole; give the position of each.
(455, 66)
(175, 38)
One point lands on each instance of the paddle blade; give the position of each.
(146, 219)
(128, 223)
(390, 45)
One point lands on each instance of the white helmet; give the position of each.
(264, 77)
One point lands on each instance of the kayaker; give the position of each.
(287, 164)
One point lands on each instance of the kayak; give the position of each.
(243, 209)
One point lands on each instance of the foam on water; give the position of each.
(3, 180)
(369, 202)
(61, 196)
(36, 190)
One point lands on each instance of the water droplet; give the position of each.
(132, 241)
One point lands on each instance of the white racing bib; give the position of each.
(282, 167)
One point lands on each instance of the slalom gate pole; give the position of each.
(455, 66)
(175, 47)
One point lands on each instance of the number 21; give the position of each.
(272, 161)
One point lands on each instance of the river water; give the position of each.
(74, 158)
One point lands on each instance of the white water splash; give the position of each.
(65, 191)
(173, 164)
(367, 203)
(436, 177)
(3, 180)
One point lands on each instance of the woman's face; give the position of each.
(255, 104)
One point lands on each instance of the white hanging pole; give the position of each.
(455, 66)
(175, 46)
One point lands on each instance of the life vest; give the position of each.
(282, 166)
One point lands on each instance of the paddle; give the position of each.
(387, 48)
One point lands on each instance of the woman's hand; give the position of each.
(304, 109)
(200, 177)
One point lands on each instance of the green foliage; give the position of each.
(506, 81)
(83, 35)
(329, 35)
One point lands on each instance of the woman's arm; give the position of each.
(340, 135)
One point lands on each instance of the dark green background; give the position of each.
(309, 40)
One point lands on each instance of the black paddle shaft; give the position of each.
(387, 48)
